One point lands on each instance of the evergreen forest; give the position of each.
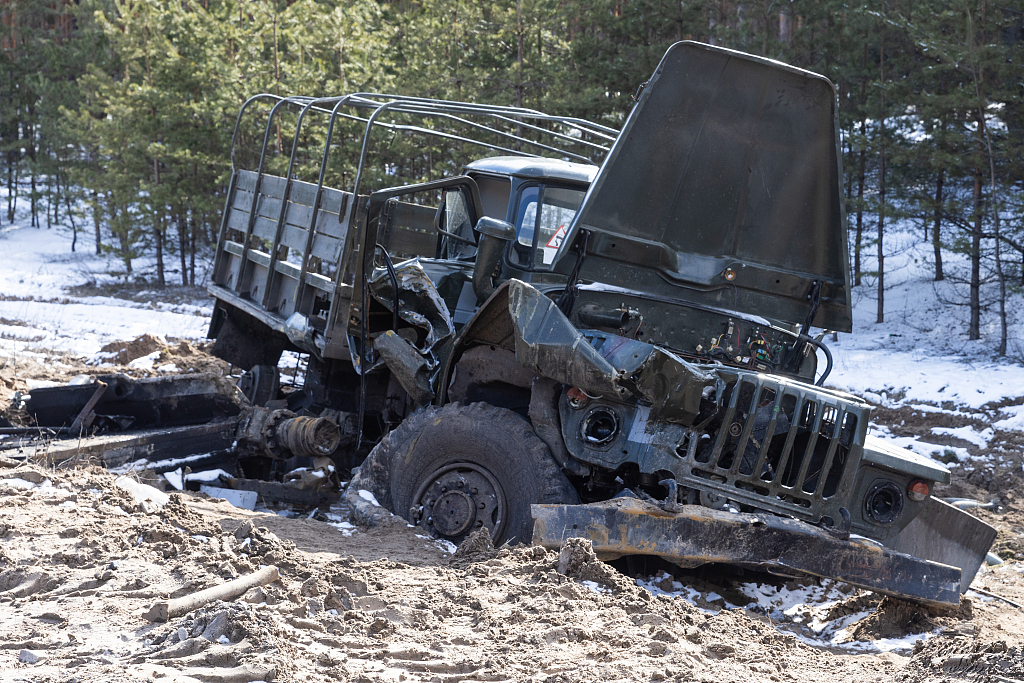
(116, 116)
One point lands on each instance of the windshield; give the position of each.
(540, 234)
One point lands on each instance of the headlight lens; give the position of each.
(884, 502)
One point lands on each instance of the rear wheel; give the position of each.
(260, 384)
(456, 469)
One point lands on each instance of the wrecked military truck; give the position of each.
(582, 331)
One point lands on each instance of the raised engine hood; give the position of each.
(724, 189)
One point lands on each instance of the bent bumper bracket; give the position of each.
(699, 535)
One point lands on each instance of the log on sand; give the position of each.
(168, 609)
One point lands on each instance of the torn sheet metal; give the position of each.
(407, 365)
(610, 365)
(410, 353)
(698, 535)
(943, 533)
(419, 304)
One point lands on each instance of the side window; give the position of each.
(543, 218)
(526, 222)
(457, 221)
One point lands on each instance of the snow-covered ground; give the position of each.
(39, 317)
(921, 353)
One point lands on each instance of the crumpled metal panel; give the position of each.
(407, 365)
(419, 304)
(943, 533)
(697, 535)
(547, 343)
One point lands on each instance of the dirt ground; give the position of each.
(81, 563)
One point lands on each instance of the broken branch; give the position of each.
(168, 609)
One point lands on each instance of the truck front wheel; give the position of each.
(456, 469)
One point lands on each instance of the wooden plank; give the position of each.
(298, 215)
(272, 186)
(260, 259)
(242, 200)
(302, 192)
(245, 180)
(327, 248)
(265, 228)
(288, 270)
(324, 284)
(329, 224)
(238, 219)
(269, 207)
(335, 201)
(295, 239)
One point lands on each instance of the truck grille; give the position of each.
(780, 447)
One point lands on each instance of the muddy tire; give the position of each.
(455, 469)
(260, 384)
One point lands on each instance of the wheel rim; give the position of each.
(459, 498)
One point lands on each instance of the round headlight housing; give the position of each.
(599, 427)
(884, 503)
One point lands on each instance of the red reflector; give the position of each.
(918, 490)
(577, 398)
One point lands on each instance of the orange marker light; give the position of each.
(918, 490)
(577, 399)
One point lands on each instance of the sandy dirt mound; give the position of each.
(124, 352)
(81, 563)
(155, 353)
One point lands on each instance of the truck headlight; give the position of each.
(600, 427)
(884, 502)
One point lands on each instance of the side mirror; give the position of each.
(493, 236)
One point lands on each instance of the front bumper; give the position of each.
(698, 535)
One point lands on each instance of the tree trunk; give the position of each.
(936, 230)
(519, 64)
(974, 328)
(182, 241)
(859, 240)
(71, 218)
(49, 200)
(880, 316)
(158, 234)
(96, 223)
(32, 197)
(56, 189)
(10, 187)
(33, 200)
(1000, 275)
(192, 250)
(17, 186)
(785, 27)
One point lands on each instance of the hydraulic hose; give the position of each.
(828, 358)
